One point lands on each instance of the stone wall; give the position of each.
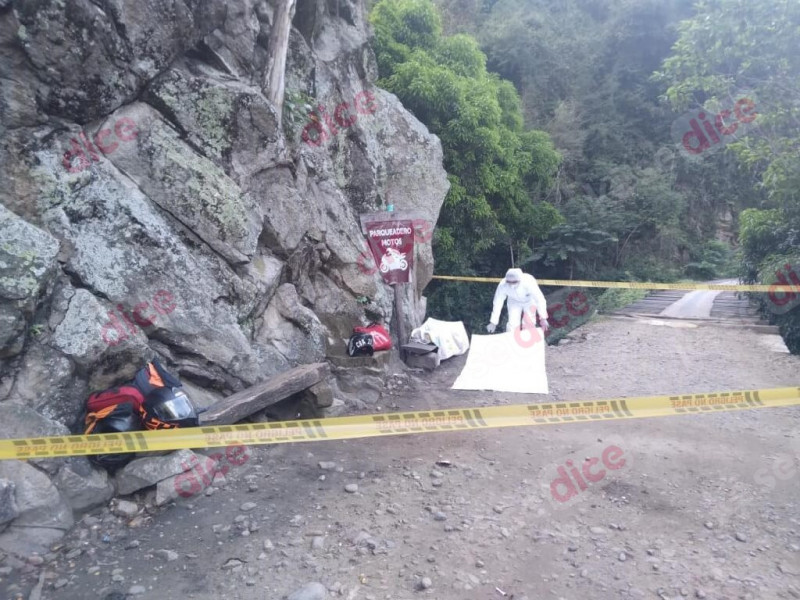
(153, 205)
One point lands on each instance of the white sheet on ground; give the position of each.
(449, 336)
(506, 362)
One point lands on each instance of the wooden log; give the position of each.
(243, 404)
(277, 50)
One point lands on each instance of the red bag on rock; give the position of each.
(381, 340)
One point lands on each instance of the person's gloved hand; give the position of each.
(491, 327)
(545, 325)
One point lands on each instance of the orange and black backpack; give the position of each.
(153, 400)
(149, 378)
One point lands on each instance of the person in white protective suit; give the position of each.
(523, 294)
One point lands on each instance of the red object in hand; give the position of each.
(381, 340)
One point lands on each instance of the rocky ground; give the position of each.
(699, 506)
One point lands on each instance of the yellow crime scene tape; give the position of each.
(380, 425)
(639, 285)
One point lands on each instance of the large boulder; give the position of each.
(155, 205)
(47, 382)
(27, 265)
(43, 515)
(230, 122)
(131, 305)
(81, 81)
(21, 421)
(294, 330)
(185, 183)
(82, 485)
(149, 470)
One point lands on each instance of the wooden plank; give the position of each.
(243, 404)
(277, 50)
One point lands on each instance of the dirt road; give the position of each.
(700, 506)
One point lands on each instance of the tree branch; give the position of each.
(275, 73)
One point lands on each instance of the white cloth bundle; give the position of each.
(450, 337)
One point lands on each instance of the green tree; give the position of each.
(711, 262)
(583, 68)
(729, 48)
(634, 208)
(576, 246)
(499, 172)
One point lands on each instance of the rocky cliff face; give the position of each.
(154, 205)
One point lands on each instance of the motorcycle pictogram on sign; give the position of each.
(392, 246)
(393, 260)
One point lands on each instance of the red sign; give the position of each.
(392, 245)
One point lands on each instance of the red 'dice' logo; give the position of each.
(83, 153)
(195, 478)
(114, 331)
(322, 126)
(587, 469)
(704, 131)
(781, 302)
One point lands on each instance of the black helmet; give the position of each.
(120, 418)
(361, 344)
(167, 408)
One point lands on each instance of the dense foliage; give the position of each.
(499, 171)
(607, 80)
(634, 207)
(726, 49)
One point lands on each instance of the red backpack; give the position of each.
(102, 404)
(381, 340)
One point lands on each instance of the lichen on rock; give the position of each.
(143, 161)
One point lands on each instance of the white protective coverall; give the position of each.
(521, 297)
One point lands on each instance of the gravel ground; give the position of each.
(698, 506)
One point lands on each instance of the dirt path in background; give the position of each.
(704, 506)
